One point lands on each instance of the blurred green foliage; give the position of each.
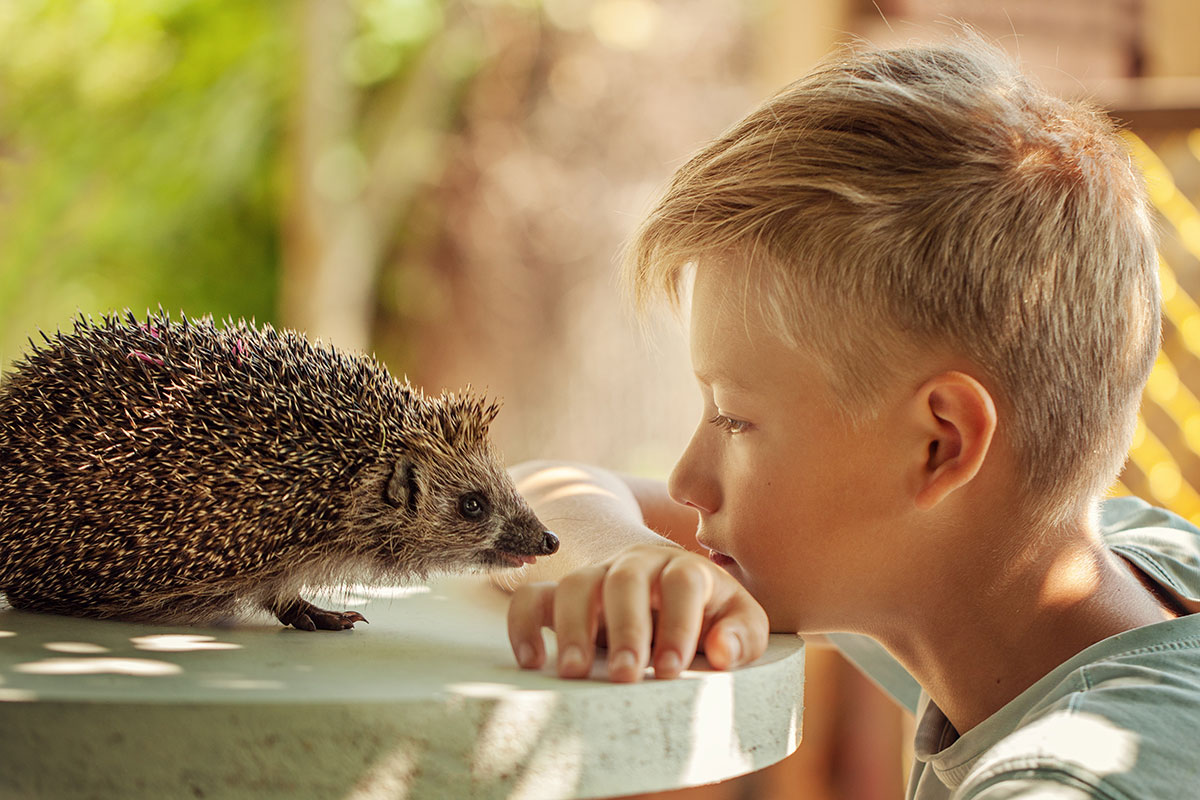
(140, 147)
(143, 150)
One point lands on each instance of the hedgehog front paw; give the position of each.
(304, 616)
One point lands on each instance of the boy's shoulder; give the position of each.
(1116, 721)
(1113, 722)
(1117, 724)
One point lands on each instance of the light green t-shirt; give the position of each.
(1118, 721)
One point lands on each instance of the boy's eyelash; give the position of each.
(729, 425)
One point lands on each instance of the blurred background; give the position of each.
(447, 183)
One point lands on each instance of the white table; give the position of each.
(424, 702)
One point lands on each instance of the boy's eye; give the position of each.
(729, 424)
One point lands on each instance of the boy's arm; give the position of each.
(595, 514)
(614, 575)
(662, 514)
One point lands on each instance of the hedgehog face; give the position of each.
(456, 513)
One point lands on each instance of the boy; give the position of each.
(924, 305)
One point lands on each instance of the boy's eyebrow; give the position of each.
(708, 378)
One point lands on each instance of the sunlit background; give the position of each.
(447, 183)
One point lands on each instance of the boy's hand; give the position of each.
(698, 606)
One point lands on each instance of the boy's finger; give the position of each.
(627, 614)
(685, 586)
(530, 610)
(739, 634)
(576, 618)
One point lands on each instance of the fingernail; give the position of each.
(570, 661)
(668, 665)
(733, 646)
(525, 655)
(623, 663)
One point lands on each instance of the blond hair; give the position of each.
(937, 197)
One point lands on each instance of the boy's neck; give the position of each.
(1000, 621)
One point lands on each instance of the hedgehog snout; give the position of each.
(527, 536)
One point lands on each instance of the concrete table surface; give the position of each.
(424, 702)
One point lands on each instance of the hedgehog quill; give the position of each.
(181, 472)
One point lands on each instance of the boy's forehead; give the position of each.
(729, 301)
(730, 339)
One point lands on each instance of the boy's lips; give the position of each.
(720, 559)
(716, 556)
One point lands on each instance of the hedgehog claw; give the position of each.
(332, 620)
(305, 616)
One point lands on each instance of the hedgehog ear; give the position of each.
(402, 488)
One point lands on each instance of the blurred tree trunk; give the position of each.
(327, 271)
(351, 187)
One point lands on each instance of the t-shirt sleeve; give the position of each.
(878, 665)
(1163, 545)
(1034, 789)
(1126, 513)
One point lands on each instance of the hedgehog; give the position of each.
(184, 472)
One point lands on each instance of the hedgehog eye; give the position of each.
(473, 506)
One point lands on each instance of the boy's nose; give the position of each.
(690, 483)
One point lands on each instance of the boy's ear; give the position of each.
(958, 418)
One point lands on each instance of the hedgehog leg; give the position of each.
(305, 616)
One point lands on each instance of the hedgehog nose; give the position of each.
(549, 543)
